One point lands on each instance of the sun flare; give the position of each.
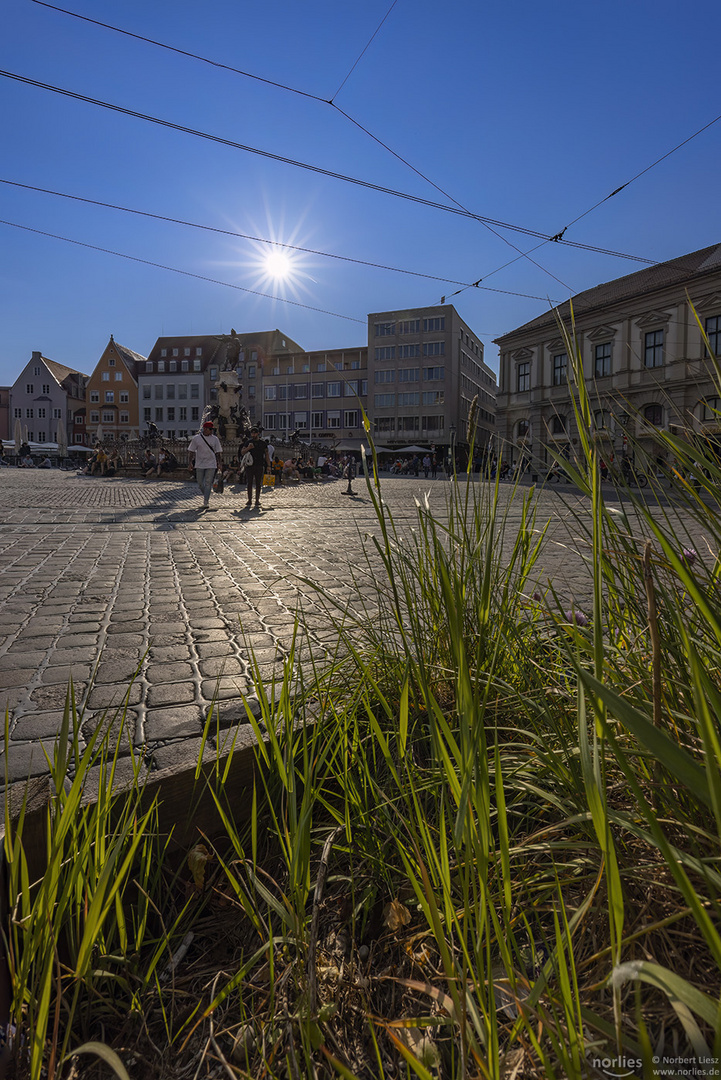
(278, 265)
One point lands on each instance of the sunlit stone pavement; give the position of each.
(125, 586)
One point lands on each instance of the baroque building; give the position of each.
(645, 363)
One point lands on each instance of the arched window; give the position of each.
(523, 429)
(559, 425)
(711, 409)
(653, 414)
(600, 420)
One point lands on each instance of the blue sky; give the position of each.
(521, 112)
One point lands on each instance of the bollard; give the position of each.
(350, 469)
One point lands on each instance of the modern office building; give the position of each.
(644, 358)
(425, 367)
(318, 394)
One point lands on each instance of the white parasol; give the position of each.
(62, 439)
(99, 433)
(18, 435)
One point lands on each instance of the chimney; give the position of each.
(37, 356)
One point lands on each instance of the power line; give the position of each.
(319, 170)
(175, 270)
(365, 49)
(260, 239)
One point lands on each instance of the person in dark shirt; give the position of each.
(258, 449)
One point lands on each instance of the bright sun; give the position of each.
(278, 265)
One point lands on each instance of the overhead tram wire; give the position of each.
(486, 222)
(319, 170)
(364, 51)
(259, 239)
(558, 237)
(185, 273)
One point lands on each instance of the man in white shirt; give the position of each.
(205, 455)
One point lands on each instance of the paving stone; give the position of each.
(111, 695)
(53, 697)
(116, 671)
(165, 653)
(170, 694)
(125, 640)
(38, 725)
(62, 673)
(161, 724)
(16, 676)
(183, 754)
(26, 759)
(222, 688)
(221, 665)
(171, 672)
(209, 649)
(10, 698)
(77, 641)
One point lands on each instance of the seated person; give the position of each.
(114, 464)
(46, 464)
(277, 469)
(100, 462)
(306, 470)
(290, 472)
(149, 464)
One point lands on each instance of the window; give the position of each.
(523, 377)
(653, 414)
(431, 373)
(41, 436)
(600, 420)
(405, 352)
(384, 401)
(433, 397)
(332, 389)
(163, 352)
(118, 376)
(316, 419)
(434, 348)
(124, 397)
(558, 425)
(560, 364)
(321, 365)
(175, 352)
(384, 423)
(28, 414)
(350, 418)
(433, 423)
(171, 413)
(351, 387)
(653, 349)
(95, 396)
(109, 397)
(78, 437)
(158, 392)
(196, 365)
(387, 353)
(124, 418)
(270, 393)
(158, 416)
(305, 367)
(281, 393)
(183, 413)
(161, 366)
(173, 365)
(46, 388)
(185, 365)
(713, 333)
(301, 420)
(95, 418)
(198, 351)
(182, 390)
(355, 365)
(602, 364)
(409, 399)
(386, 376)
(18, 414)
(251, 371)
(57, 414)
(522, 429)
(194, 392)
(213, 373)
(409, 326)
(37, 370)
(363, 387)
(409, 374)
(41, 414)
(409, 423)
(108, 418)
(385, 329)
(333, 420)
(148, 365)
(300, 391)
(251, 390)
(434, 324)
(194, 412)
(711, 407)
(29, 388)
(170, 392)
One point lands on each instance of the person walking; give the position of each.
(205, 455)
(258, 450)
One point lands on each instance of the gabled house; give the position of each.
(43, 393)
(112, 394)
